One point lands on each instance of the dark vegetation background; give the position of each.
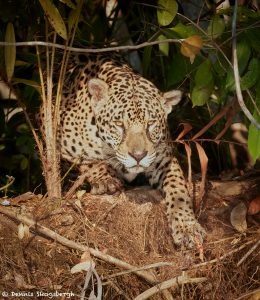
(207, 83)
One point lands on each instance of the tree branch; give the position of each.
(89, 50)
(236, 72)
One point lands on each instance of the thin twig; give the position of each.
(104, 215)
(155, 265)
(79, 182)
(215, 260)
(236, 71)
(89, 50)
(10, 181)
(171, 283)
(216, 118)
(248, 253)
(208, 140)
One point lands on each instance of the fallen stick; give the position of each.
(155, 265)
(171, 283)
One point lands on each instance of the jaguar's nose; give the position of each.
(138, 155)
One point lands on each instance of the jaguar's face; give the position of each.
(132, 121)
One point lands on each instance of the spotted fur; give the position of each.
(114, 125)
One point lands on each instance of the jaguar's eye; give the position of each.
(119, 124)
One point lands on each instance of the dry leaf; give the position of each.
(186, 128)
(92, 296)
(86, 263)
(204, 166)
(78, 203)
(254, 206)
(80, 194)
(23, 231)
(188, 152)
(191, 46)
(238, 217)
(83, 266)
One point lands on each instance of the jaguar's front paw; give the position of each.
(106, 185)
(187, 233)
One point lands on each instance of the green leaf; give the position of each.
(183, 31)
(230, 80)
(243, 55)
(54, 18)
(254, 139)
(163, 47)
(253, 132)
(252, 76)
(220, 65)
(10, 51)
(166, 12)
(203, 76)
(203, 84)
(177, 69)
(200, 95)
(23, 128)
(216, 27)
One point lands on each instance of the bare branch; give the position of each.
(236, 72)
(89, 50)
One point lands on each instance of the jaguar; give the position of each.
(113, 125)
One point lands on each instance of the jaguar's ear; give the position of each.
(98, 90)
(170, 99)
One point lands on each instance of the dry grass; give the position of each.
(131, 227)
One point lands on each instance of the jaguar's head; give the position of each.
(131, 117)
